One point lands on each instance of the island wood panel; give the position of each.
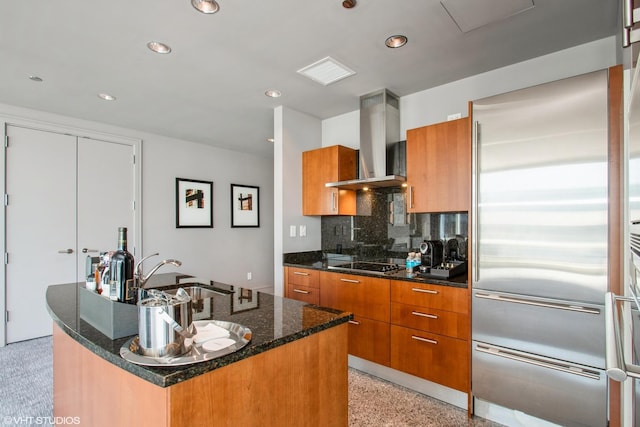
(100, 393)
(303, 383)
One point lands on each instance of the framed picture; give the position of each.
(194, 203)
(245, 206)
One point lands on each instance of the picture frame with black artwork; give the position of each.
(194, 203)
(245, 206)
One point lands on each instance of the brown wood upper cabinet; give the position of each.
(439, 167)
(328, 164)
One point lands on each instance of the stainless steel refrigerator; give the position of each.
(540, 229)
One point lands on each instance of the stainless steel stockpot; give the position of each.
(162, 322)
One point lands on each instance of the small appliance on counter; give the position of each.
(432, 252)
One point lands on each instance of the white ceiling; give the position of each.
(210, 88)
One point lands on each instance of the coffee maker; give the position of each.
(432, 252)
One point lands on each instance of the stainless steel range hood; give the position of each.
(382, 154)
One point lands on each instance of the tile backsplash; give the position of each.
(382, 226)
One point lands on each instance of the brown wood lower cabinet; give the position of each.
(430, 319)
(368, 299)
(369, 339)
(302, 284)
(443, 360)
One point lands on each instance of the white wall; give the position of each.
(434, 105)
(223, 253)
(294, 132)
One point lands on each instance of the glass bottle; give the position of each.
(121, 270)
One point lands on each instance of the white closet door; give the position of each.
(40, 226)
(105, 197)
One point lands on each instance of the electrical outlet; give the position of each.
(249, 276)
(303, 230)
(292, 231)
(454, 116)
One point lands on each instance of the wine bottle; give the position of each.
(121, 270)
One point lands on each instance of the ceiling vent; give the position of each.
(469, 15)
(326, 71)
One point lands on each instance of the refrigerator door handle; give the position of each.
(616, 367)
(568, 307)
(475, 271)
(538, 361)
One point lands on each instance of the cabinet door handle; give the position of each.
(411, 196)
(300, 273)
(354, 322)
(425, 291)
(349, 280)
(427, 340)
(85, 250)
(300, 291)
(475, 272)
(65, 251)
(430, 316)
(334, 201)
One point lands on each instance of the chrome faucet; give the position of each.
(141, 279)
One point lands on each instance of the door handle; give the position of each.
(65, 251)
(526, 301)
(540, 361)
(85, 250)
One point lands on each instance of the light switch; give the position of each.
(303, 230)
(292, 231)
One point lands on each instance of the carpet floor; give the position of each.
(26, 395)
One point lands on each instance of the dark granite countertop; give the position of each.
(274, 321)
(317, 260)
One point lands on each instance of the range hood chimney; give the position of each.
(382, 155)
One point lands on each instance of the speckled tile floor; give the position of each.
(374, 402)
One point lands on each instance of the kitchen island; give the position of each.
(292, 372)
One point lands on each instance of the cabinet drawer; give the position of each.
(303, 293)
(303, 277)
(369, 339)
(432, 296)
(436, 358)
(365, 296)
(441, 322)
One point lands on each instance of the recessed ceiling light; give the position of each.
(205, 6)
(106, 97)
(35, 78)
(396, 41)
(273, 93)
(158, 47)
